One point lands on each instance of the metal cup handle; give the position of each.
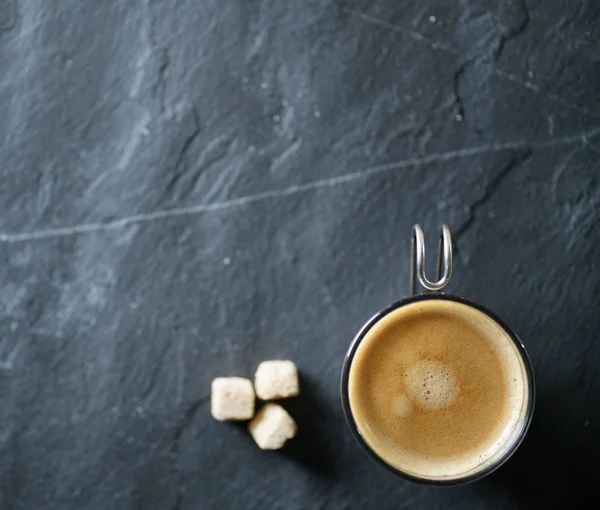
(444, 260)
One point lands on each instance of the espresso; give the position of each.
(438, 389)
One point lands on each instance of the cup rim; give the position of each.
(346, 398)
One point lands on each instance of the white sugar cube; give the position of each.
(276, 379)
(272, 427)
(231, 398)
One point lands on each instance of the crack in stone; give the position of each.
(183, 424)
(186, 421)
(513, 33)
(445, 48)
(177, 505)
(582, 218)
(160, 86)
(490, 189)
(155, 376)
(9, 15)
(206, 162)
(496, 53)
(187, 144)
(456, 77)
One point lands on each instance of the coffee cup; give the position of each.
(436, 388)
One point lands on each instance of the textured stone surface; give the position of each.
(189, 188)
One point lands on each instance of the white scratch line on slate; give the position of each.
(88, 228)
(439, 46)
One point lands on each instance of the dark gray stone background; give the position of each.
(190, 187)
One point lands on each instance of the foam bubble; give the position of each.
(432, 385)
(402, 406)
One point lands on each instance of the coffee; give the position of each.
(437, 389)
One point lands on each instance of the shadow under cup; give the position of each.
(505, 443)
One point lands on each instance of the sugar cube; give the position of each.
(232, 398)
(276, 379)
(272, 427)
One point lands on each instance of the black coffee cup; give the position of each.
(444, 274)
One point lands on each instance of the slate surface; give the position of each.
(188, 188)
